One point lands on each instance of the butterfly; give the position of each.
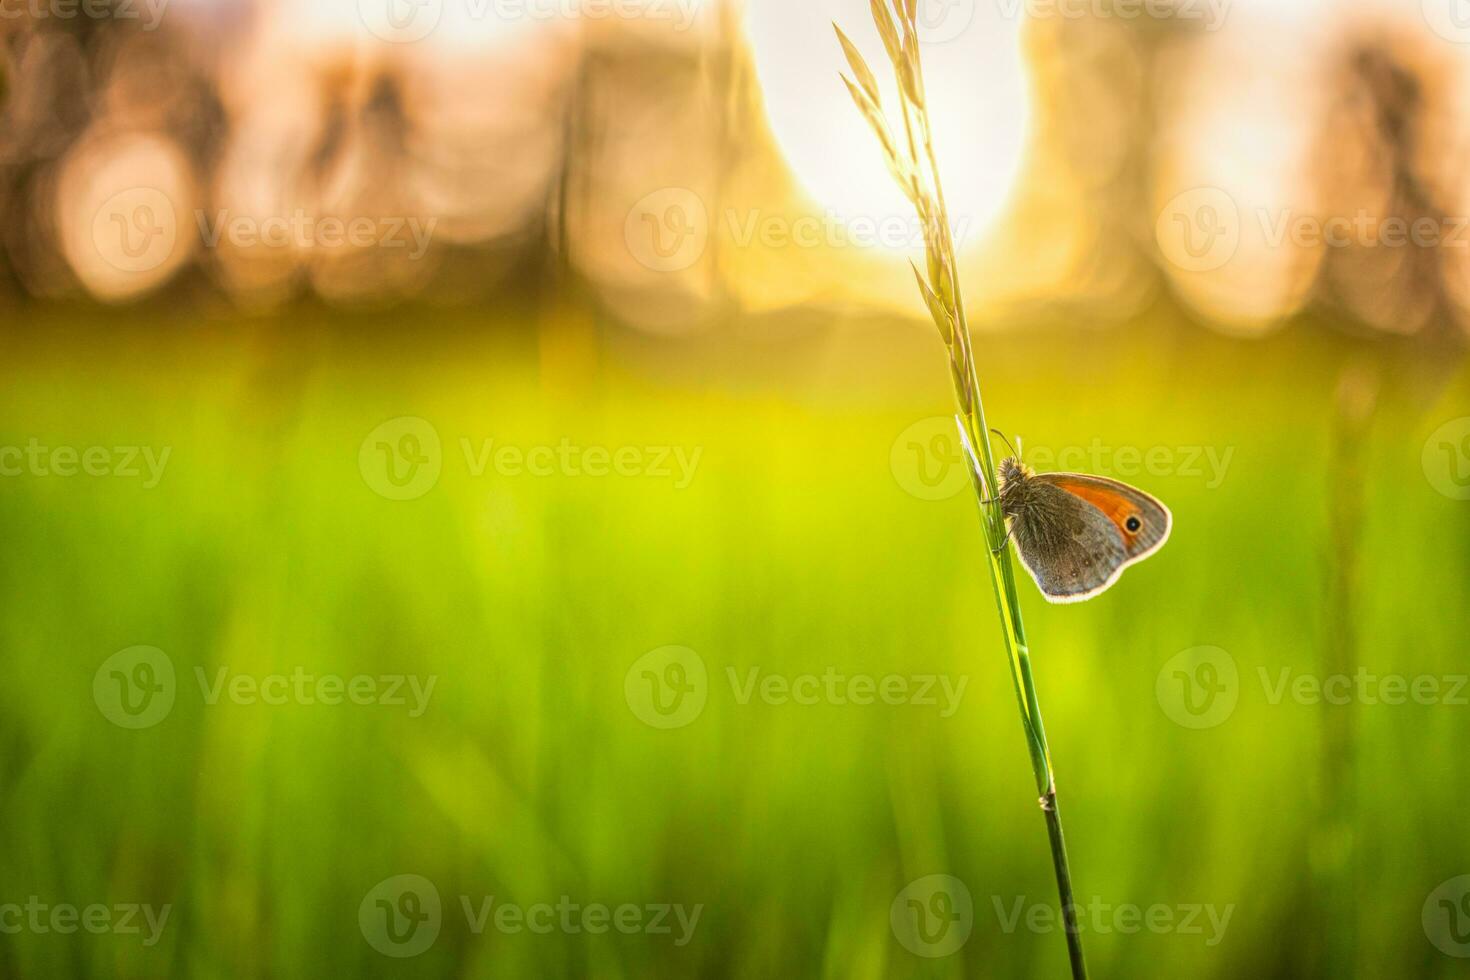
(1076, 533)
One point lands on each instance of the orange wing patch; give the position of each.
(1114, 505)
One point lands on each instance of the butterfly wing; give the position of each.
(1143, 522)
(1069, 546)
(1077, 533)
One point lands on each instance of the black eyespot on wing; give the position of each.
(1133, 524)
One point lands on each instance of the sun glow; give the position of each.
(978, 95)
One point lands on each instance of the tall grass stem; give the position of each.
(914, 165)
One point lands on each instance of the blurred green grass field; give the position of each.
(795, 548)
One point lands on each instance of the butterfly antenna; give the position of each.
(1003, 439)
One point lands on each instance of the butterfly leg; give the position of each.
(1007, 540)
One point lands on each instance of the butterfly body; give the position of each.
(1076, 533)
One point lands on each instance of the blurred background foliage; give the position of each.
(538, 313)
(529, 140)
